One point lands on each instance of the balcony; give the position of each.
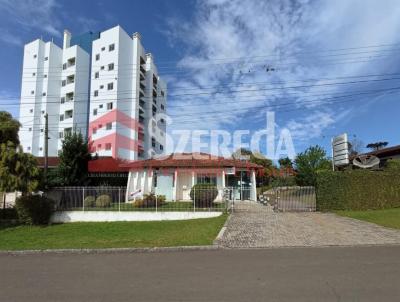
(142, 70)
(142, 103)
(71, 79)
(71, 62)
(69, 97)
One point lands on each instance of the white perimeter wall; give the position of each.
(92, 216)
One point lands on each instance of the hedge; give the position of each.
(358, 190)
(34, 209)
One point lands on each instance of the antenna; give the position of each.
(366, 161)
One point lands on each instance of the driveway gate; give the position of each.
(291, 199)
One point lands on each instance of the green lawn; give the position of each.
(112, 234)
(388, 218)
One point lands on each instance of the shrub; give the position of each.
(89, 201)
(8, 214)
(103, 201)
(149, 201)
(358, 190)
(203, 195)
(34, 209)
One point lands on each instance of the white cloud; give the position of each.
(288, 35)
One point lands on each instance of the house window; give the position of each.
(108, 126)
(110, 86)
(111, 66)
(111, 47)
(207, 179)
(108, 146)
(94, 111)
(97, 57)
(96, 75)
(61, 117)
(109, 106)
(96, 93)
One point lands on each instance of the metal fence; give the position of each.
(114, 199)
(291, 199)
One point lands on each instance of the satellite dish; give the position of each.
(366, 161)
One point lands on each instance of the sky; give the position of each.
(323, 67)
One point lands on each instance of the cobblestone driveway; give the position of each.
(255, 225)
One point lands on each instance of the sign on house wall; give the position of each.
(340, 150)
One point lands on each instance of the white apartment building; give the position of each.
(127, 99)
(108, 89)
(54, 81)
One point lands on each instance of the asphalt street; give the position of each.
(282, 274)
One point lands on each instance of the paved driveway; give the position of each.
(255, 225)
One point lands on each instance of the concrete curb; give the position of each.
(112, 250)
(221, 232)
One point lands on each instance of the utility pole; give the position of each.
(46, 145)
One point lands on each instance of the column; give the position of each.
(150, 180)
(253, 186)
(175, 188)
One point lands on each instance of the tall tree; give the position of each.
(308, 163)
(74, 157)
(285, 162)
(9, 128)
(377, 146)
(18, 170)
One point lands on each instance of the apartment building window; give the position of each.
(100, 126)
(34, 56)
(34, 74)
(108, 126)
(40, 149)
(41, 130)
(162, 121)
(94, 130)
(46, 58)
(31, 110)
(99, 146)
(97, 57)
(111, 47)
(103, 49)
(42, 111)
(45, 76)
(153, 142)
(162, 107)
(63, 83)
(44, 94)
(162, 93)
(64, 66)
(71, 79)
(61, 134)
(71, 62)
(111, 66)
(101, 86)
(96, 93)
(109, 106)
(30, 129)
(67, 131)
(94, 111)
(161, 147)
(108, 146)
(32, 91)
(96, 75)
(61, 117)
(28, 148)
(62, 100)
(68, 114)
(110, 86)
(101, 106)
(102, 68)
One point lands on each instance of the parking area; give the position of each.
(255, 225)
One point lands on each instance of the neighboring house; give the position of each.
(175, 175)
(383, 154)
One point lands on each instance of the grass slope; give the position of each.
(112, 234)
(388, 218)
